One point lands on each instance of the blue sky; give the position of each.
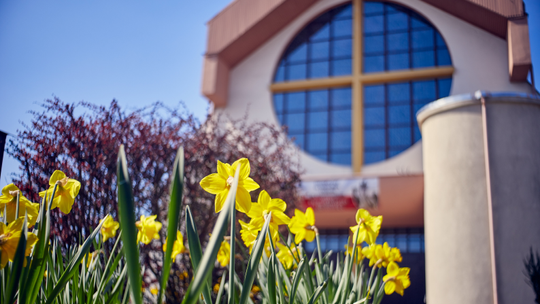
(135, 51)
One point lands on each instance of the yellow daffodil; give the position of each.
(109, 227)
(224, 254)
(249, 234)
(285, 255)
(178, 246)
(302, 225)
(9, 239)
(90, 257)
(148, 229)
(359, 255)
(368, 226)
(265, 204)
(382, 255)
(8, 200)
(216, 288)
(219, 184)
(386, 254)
(66, 191)
(154, 291)
(396, 279)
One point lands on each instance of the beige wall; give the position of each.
(458, 247)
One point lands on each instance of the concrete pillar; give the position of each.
(456, 214)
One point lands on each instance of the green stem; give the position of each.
(232, 286)
(318, 243)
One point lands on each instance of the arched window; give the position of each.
(349, 84)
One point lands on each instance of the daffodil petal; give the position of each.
(224, 170)
(279, 204)
(213, 183)
(244, 167)
(310, 216)
(264, 199)
(220, 199)
(56, 176)
(243, 200)
(389, 287)
(249, 184)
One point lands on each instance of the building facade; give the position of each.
(348, 79)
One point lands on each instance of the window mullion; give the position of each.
(357, 111)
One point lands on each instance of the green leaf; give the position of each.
(41, 249)
(232, 254)
(296, 280)
(175, 206)
(195, 252)
(272, 279)
(212, 248)
(17, 266)
(73, 266)
(254, 259)
(126, 211)
(318, 292)
(107, 272)
(221, 287)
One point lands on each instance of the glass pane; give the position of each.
(373, 24)
(318, 100)
(297, 71)
(299, 54)
(280, 119)
(414, 243)
(345, 12)
(341, 98)
(373, 64)
(439, 40)
(340, 140)
(317, 121)
(317, 142)
(298, 140)
(322, 156)
(373, 157)
(296, 102)
(319, 69)
(398, 93)
(280, 74)
(398, 42)
(374, 44)
(374, 95)
(443, 57)
(374, 138)
(418, 22)
(278, 103)
(399, 136)
(295, 122)
(417, 134)
(340, 158)
(341, 67)
(424, 91)
(373, 8)
(394, 152)
(399, 115)
(398, 61)
(397, 21)
(341, 119)
(322, 32)
(423, 59)
(444, 87)
(401, 242)
(342, 48)
(342, 28)
(374, 117)
(319, 50)
(422, 39)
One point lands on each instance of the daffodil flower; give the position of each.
(9, 240)
(265, 204)
(66, 191)
(302, 225)
(8, 200)
(154, 291)
(220, 183)
(109, 227)
(148, 229)
(359, 255)
(178, 246)
(249, 234)
(285, 255)
(396, 279)
(224, 254)
(382, 255)
(368, 226)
